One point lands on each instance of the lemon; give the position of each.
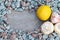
(43, 12)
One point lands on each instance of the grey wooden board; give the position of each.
(25, 21)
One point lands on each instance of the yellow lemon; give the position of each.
(43, 12)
